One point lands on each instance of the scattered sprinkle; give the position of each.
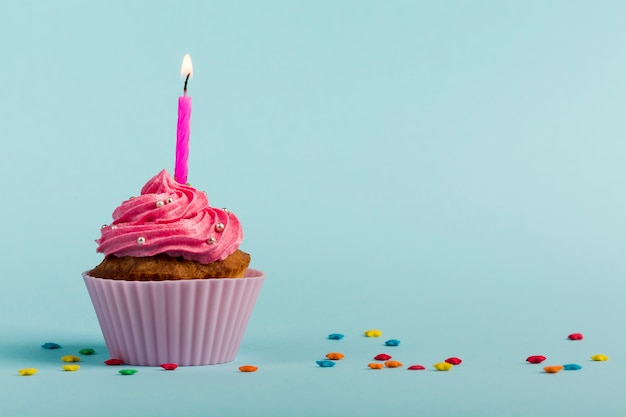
(535, 359)
(169, 366)
(27, 371)
(375, 365)
(335, 336)
(335, 356)
(51, 345)
(373, 333)
(382, 357)
(553, 369)
(416, 368)
(87, 351)
(71, 368)
(392, 342)
(325, 363)
(114, 362)
(70, 358)
(575, 336)
(443, 366)
(127, 371)
(599, 357)
(453, 361)
(572, 367)
(393, 364)
(248, 368)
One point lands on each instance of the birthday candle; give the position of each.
(183, 128)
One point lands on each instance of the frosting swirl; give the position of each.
(174, 219)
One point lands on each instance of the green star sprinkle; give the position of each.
(127, 371)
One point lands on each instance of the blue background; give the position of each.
(448, 172)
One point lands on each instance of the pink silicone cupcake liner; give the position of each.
(187, 322)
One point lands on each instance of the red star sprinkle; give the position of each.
(454, 361)
(575, 336)
(415, 368)
(382, 357)
(113, 362)
(169, 366)
(536, 359)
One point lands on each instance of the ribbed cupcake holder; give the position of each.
(187, 322)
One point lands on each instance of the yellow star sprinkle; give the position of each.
(71, 368)
(373, 333)
(599, 357)
(70, 358)
(27, 371)
(443, 366)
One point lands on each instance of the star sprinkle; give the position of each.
(87, 351)
(169, 366)
(373, 333)
(572, 367)
(335, 336)
(382, 357)
(27, 371)
(335, 356)
(535, 359)
(51, 345)
(599, 357)
(127, 371)
(416, 368)
(392, 342)
(325, 364)
(443, 366)
(575, 336)
(70, 358)
(71, 368)
(375, 365)
(248, 368)
(553, 369)
(114, 362)
(393, 364)
(453, 361)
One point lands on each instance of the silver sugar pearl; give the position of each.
(169, 200)
(141, 240)
(113, 227)
(225, 210)
(211, 240)
(219, 227)
(104, 226)
(159, 204)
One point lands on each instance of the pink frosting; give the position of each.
(171, 218)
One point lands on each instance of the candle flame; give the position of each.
(187, 67)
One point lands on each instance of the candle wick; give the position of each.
(186, 79)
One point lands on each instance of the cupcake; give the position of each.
(173, 286)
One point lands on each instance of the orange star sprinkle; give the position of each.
(335, 356)
(393, 364)
(553, 369)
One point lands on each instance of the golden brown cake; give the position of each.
(164, 267)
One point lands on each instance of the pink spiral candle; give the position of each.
(183, 127)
